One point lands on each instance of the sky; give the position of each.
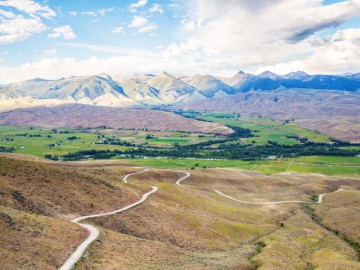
(53, 39)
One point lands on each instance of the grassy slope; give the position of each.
(29, 241)
(301, 244)
(341, 213)
(179, 227)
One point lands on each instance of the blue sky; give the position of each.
(55, 38)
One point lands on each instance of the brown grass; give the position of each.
(30, 241)
(178, 227)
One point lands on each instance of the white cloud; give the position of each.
(138, 21)
(19, 29)
(27, 20)
(89, 13)
(119, 29)
(7, 14)
(142, 24)
(73, 13)
(138, 4)
(249, 34)
(64, 31)
(225, 36)
(156, 8)
(187, 24)
(102, 12)
(131, 61)
(148, 28)
(30, 7)
(339, 54)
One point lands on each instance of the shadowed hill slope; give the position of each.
(76, 115)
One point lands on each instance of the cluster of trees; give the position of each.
(224, 151)
(7, 149)
(116, 141)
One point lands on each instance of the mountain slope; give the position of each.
(163, 88)
(76, 115)
(335, 113)
(171, 88)
(209, 86)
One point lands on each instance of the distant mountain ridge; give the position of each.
(165, 88)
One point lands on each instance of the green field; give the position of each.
(40, 141)
(264, 129)
(327, 165)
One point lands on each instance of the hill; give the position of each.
(180, 227)
(77, 115)
(334, 113)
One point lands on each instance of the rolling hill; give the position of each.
(77, 115)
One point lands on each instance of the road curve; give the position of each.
(320, 199)
(321, 196)
(125, 179)
(94, 232)
(178, 182)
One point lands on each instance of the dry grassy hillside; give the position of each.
(76, 115)
(180, 227)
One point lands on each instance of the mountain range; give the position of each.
(165, 88)
(327, 103)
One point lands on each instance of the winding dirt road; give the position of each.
(178, 182)
(320, 199)
(94, 232)
(127, 176)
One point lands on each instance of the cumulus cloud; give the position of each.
(138, 4)
(142, 24)
(187, 24)
(257, 33)
(138, 21)
(224, 36)
(338, 54)
(141, 3)
(156, 8)
(19, 28)
(64, 31)
(125, 64)
(30, 7)
(7, 14)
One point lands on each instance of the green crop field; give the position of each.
(265, 129)
(41, 141)
(347, 166)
